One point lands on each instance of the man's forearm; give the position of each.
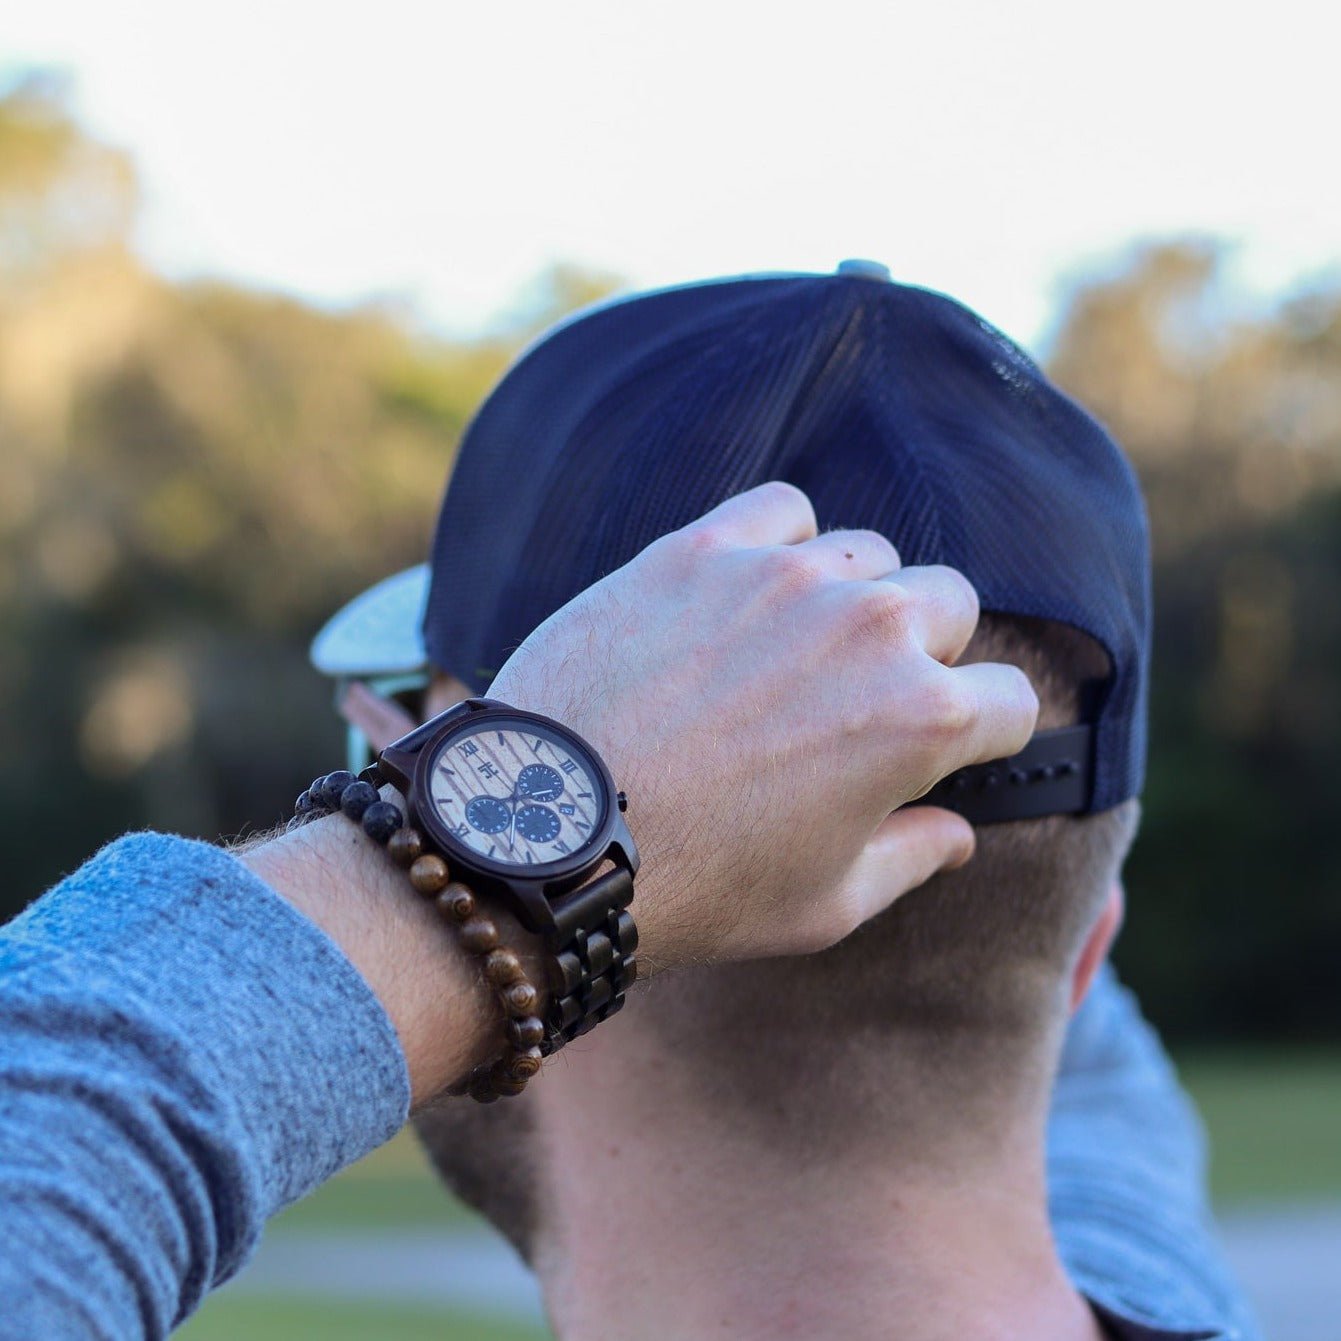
(181, 1055)
(445, 1016)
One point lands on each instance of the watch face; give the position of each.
(515, 792)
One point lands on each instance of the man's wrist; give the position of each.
(447, 1018)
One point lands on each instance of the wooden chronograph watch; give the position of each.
(524, 810)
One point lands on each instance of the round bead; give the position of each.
(457, 902)
(505, 1085)
(356, 798)
(502, 967)
(429, 874)
(479, 935)
(520, 999)
(523, 1065)
(332, 787)
(381, 820)
(526, 1032)
(304, 804)
(481, 1087)
(405, 845)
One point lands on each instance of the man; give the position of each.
(850, 1143)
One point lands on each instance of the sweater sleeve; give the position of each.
(1127, 1180)
(181, 1055)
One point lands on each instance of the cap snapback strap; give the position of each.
(1052, 775)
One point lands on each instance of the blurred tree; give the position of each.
(194, 477)
(1235, 427)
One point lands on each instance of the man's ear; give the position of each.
(1097, 944)
(381, 720)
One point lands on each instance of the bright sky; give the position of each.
(441, 154)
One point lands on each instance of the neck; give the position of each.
(661, 1218)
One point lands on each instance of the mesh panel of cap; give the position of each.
(894, 408)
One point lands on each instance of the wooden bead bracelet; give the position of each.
(384, 823)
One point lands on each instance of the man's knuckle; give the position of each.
(878, 544)
(948, 712)
(693, 545)
(884, 611)
(788, 571)
(780, 493)
(965, 593)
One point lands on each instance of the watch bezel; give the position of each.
(571, 864)
(542, 895)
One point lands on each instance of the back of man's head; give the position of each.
(937, 1025)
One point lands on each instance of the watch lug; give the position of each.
(398, 759)
(622, 839)
(532, 908)
(396, 767)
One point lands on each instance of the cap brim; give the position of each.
(379, 632)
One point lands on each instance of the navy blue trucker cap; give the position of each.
(894, 408)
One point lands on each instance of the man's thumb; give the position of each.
(907, 849)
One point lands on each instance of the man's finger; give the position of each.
(944, 609)
(1001, 709)
(852, 554)
(769, 514)
(906, 851)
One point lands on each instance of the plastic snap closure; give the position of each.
(863, 269)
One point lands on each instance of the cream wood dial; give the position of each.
(518, 794)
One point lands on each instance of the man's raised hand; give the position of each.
(769, 697)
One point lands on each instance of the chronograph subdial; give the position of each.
(538, 824)
(488, 814)
(540, 782)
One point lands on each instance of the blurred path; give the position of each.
(1288, 1257)
(469, 1269)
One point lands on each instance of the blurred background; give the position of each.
(257, 270)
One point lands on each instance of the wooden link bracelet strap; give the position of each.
(384, 823)
(592, 958)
